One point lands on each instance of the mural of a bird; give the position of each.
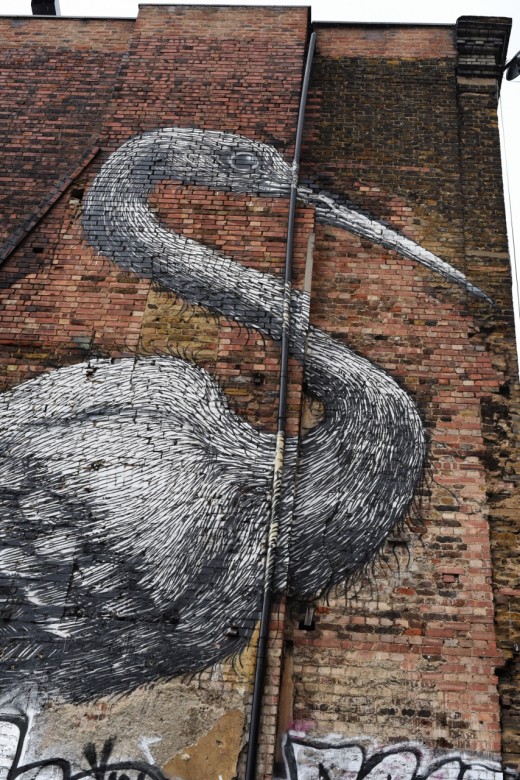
(135, 503)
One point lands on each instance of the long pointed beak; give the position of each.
(332, 213)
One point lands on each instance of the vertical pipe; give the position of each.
(274, 524)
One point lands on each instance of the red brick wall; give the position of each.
(210, 68)
(486, 248)
(409, 652)
(56, 77)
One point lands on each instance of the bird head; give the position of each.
(219, 160)
(232, 163)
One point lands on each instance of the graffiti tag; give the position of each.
(339, 759)
(13, 734)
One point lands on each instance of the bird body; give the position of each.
(116, 535)
(135, 503)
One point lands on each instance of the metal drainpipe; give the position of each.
(274, 524)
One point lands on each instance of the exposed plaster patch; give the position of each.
(214, 756)
(177, 712)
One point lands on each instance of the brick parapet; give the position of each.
(241, 60)
(482, 46)
(66, 34)
(383, 41)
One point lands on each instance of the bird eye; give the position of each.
(244, 162)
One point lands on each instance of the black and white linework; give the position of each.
(135, 502)
(335, 757)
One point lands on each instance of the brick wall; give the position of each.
(410, 651)
(56, 79)
(63, 303)
(401, 128)
(487, 253)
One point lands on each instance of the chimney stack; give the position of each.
(45, 7)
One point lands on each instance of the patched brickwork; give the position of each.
(486, 249)
(63, 303)
(411, 648)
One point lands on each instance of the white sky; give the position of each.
(441, 11)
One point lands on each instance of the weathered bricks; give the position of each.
(410, 652)
(401, 122)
